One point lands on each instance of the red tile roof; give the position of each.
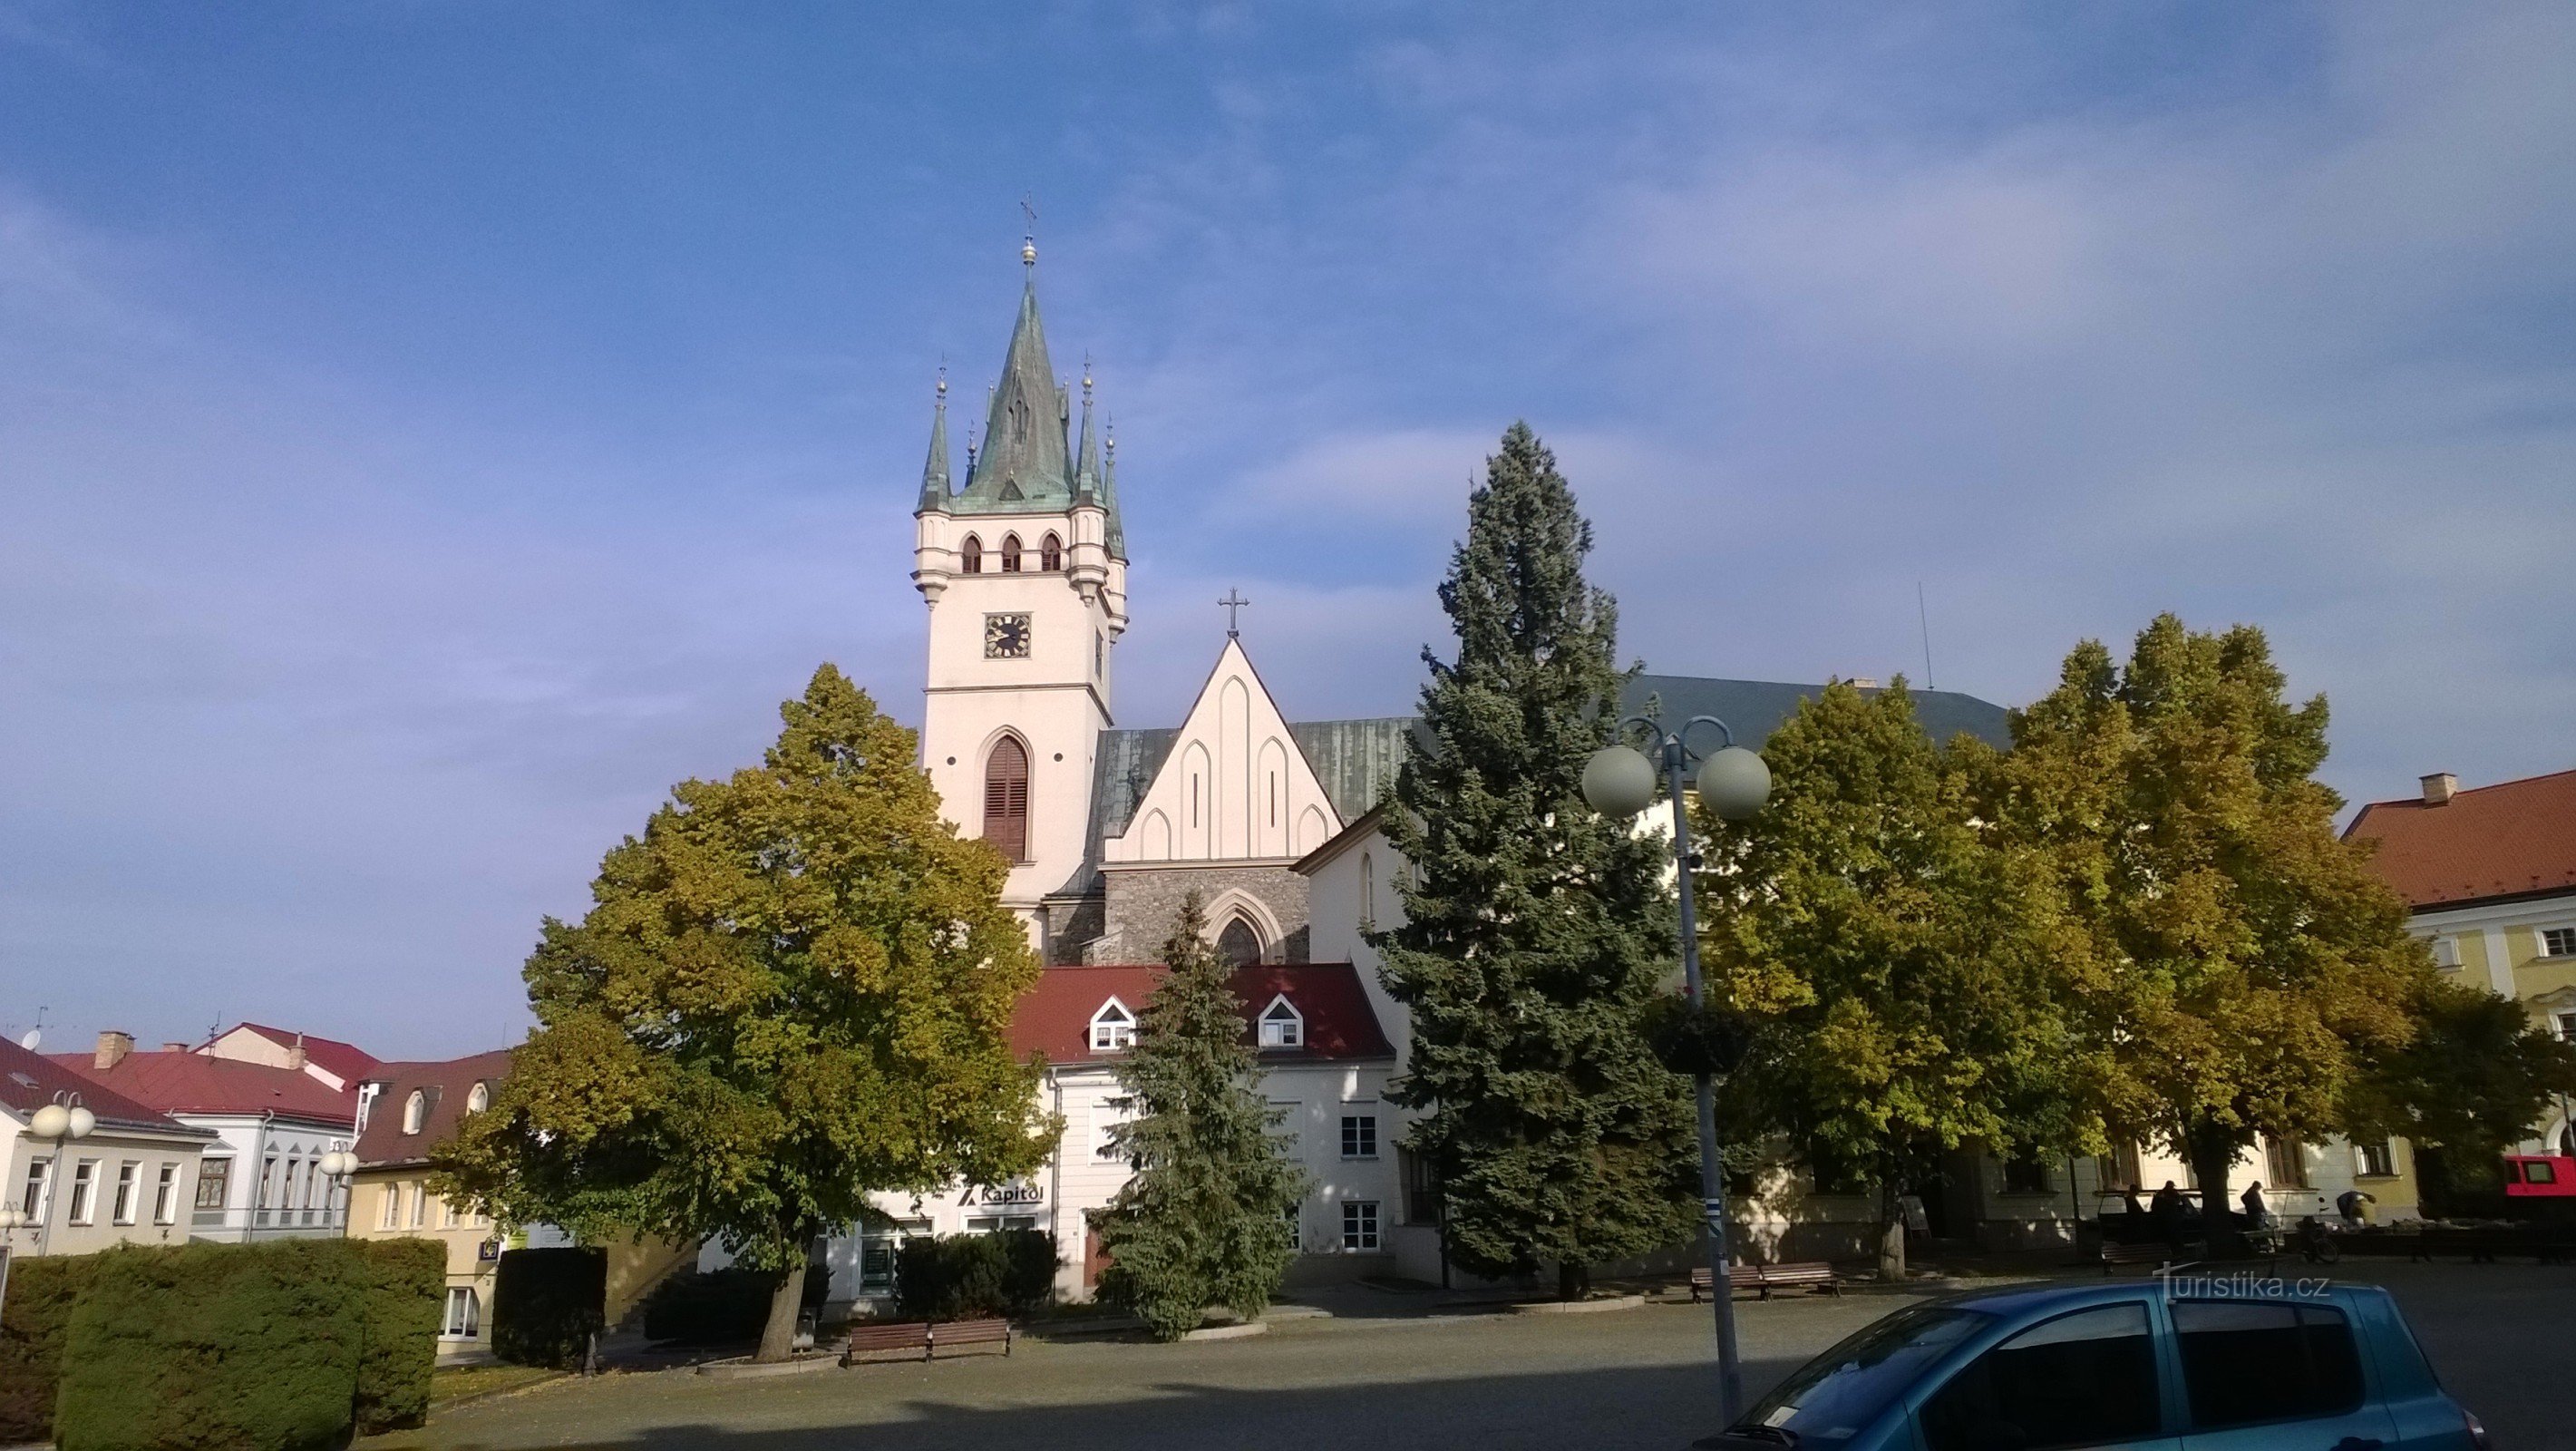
(1055, 1017)
(2512, 839)
(178, 1082)
(29, 1080)
(345, 1061)
(446, 1087)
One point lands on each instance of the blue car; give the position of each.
(2215, 1363)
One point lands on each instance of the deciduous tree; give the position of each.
(791, 991)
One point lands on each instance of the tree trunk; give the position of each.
(2212, 1155)
(1573, 1281)
(778, 1337)
(1891, 1235)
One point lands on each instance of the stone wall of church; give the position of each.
(1140, 907)
(1073, 926)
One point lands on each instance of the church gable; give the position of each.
(1233, 786)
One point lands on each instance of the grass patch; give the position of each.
(452, 1383)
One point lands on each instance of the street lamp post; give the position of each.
(65, 1121)
(1733, 782)
(338, 1166)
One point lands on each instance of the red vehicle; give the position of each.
(2539, 1176)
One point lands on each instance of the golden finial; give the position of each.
(1029, 239)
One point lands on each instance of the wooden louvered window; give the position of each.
(1010, 554)
(1051, 554)
(1006, 799)
(970, 559)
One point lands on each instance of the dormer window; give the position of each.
(970, 556)
(1113, 1028)
(1051, 554)
(1282, 1026)
(479, 1099)
(1010, 554)
(415, 1110)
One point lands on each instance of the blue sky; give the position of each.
(428, 430)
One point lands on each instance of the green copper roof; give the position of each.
(934, 472)
(1025, 463)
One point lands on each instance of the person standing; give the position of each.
(2258, 1215)
(2167, 1211)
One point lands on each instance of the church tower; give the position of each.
(1024, 570)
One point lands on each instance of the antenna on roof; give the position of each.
(1923, 614)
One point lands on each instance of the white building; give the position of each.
(128, 1182)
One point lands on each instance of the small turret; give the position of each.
(934, 472)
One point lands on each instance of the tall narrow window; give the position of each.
(1006, 799)
(1051, 554)
(1240, 943)
(165, 1196)
(970, 556)
(1368, 891)
(415, 1111)
(1010, 554)
(1274, 798)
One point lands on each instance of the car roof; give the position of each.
(2214, 1282)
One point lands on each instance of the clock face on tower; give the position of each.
(1006, 637)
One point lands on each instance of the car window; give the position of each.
(1836, 1395)
(2078, 1380)
(2249, 1361)
(2537, 1172)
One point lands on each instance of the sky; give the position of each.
(430, 429)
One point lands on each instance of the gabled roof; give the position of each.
(1055, 1017)
(171, 1081)
(29, 1080)
(446, 1087)
(2512, 839)
(345, 1061)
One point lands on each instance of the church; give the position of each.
(1022, 566)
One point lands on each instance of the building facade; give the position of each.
(129, 1181)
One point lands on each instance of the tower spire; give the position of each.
(934, 470)
(1086, 467)
(1025, 457)
(1115, 534)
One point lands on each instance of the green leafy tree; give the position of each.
(1536, 930)
(2243, 969)
(2475, 1077)
(1896, 970)
(791, 992)
(1201, 1223)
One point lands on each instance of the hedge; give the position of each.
(404, 1281)
(721, 1307)
(33, 1319)
(547, 1303)
(213, 1345)
(961, 1276)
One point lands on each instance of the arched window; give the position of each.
(1006, 798)
(1010, 554)
(1240, 943)
(479, 1099)
(1113, 1028)
(415, 1109)
(970, 556)
(1368, 890)
(1051, 553)
(1281, 1025)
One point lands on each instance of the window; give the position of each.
(129, 1185)
(31, 1199)
(2538, 1171)
(2026, 1173)
(2248, 1361)
(1240, 943)
(448, 1218)
(1421, 1187)
(2558, 942)
(1359, 1224)
(392, 1215)
(1113, 1028)
(1051, 554)
(1368, 892)
(1294, 1214)
(84, 1191)
(970, 556)
(1835, 1396)
(1274, 798)
(2121, 1168)
(2446, 952)
(165, 1196)
(1010, 554)
(1287, 1117)
(995, 1223)
(1281, 1027)
(415, 1110)
(1105, 1119)
(286, 1196)
(2375, 1161)
(214, 1183)
(1359, 1136)
(478, 1098)
(419, 1204)
(2567, 1027)
(1099, 653)
(464, 1314)
(2287, 1162)
(1006, 799)
(2078, 1380)
(267, 1181)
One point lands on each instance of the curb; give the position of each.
(1229, 1332)
(748, 1370)
(1577, 1307)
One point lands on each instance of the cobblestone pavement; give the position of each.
(2500, 1335)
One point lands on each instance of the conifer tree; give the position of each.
(1536, 929)
(1203, 1221)
(793, 991)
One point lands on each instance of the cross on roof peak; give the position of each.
(1233, 604)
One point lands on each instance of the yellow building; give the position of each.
(130, 1179)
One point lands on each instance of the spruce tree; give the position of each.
(1536, 929)
(1203, 1221)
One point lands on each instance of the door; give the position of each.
(2279, 1375)
(2087, 1378)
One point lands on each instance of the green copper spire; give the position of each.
(1114, 534)
(1024, 459)
(934, 472)
(1086, 467)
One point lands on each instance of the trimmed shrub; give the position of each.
(547, 1303)
(33, 1322)
(201, 1346)
(963, 1276)
(721, 1307)
(403, 1282)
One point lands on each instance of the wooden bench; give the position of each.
(1815, 1275)
(2151, 1253)
(925, 1337)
